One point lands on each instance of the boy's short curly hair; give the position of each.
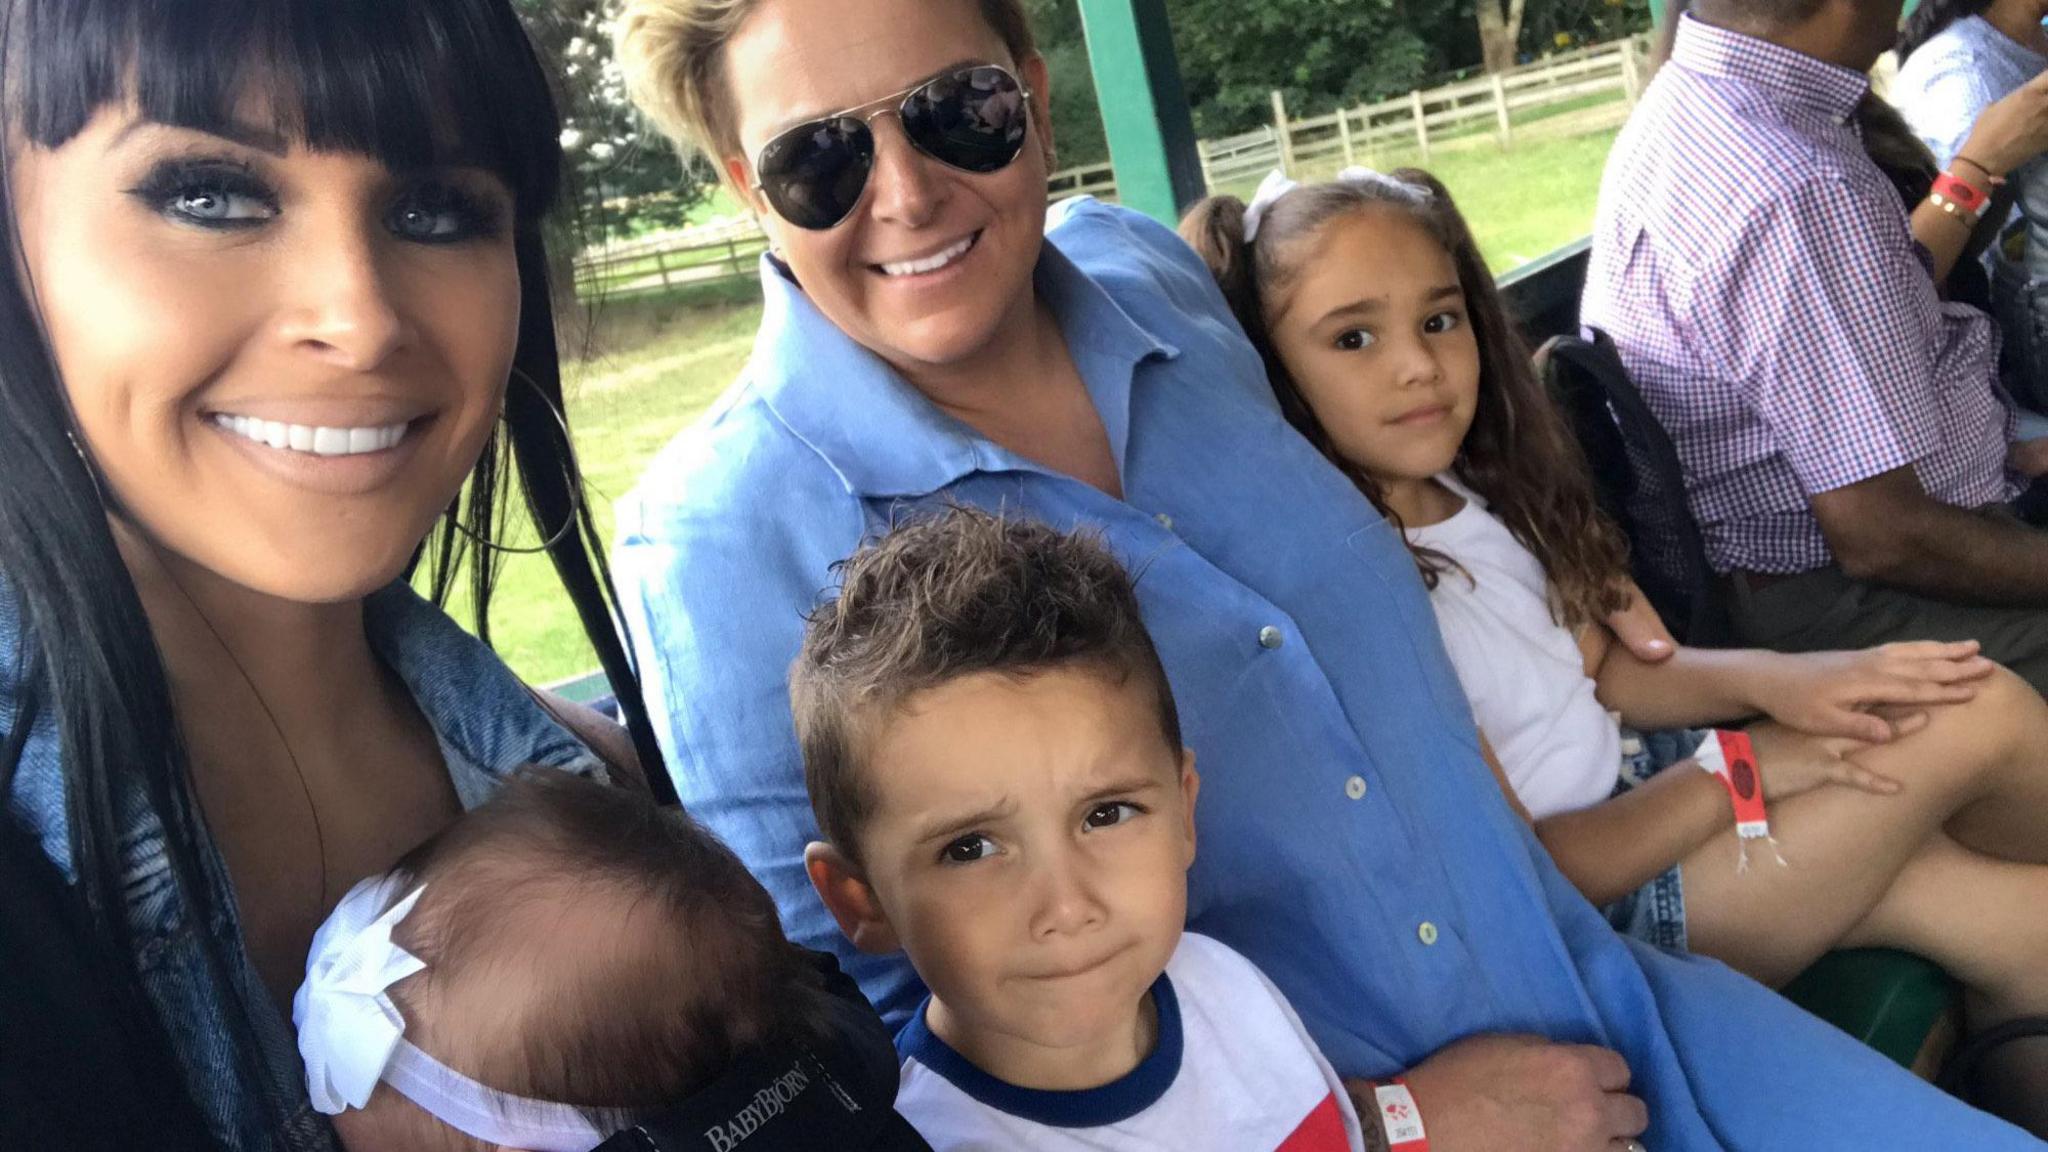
(948, 596)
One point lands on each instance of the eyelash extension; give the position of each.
(478, 216)
(170, 179)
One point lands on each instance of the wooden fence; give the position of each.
(1455, 115)
(1466, 114)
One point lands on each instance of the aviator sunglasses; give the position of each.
(973, 119)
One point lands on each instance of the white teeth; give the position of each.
(312, 440)
(930, 263)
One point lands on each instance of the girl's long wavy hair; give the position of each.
(1931, 18)
(1519, 454)
(411, 84)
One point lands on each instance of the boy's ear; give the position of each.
(849, 898)
(1190, 788)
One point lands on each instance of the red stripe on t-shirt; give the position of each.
(1323, 1131)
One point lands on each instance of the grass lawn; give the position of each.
(655, 361)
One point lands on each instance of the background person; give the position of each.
(931, 340)
(1971, 83)
(1847, 449)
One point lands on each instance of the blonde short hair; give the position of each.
(673, 55)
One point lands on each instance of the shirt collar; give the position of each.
(882, 437)
(1792, 76)
(486, 720)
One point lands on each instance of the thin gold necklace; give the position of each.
(312, 809)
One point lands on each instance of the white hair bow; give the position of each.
(348, 1026)
(1278, 184)
(351, 1035)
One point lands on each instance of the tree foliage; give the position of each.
(622, 174)
(1319, 53)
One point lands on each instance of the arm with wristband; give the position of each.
(2007, 134)
(1388, 1116)
(1504, 1093)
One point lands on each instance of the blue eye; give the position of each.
(207, 194)
(1355, 340)
(968, 849)
(439, 213)
(1110, 815)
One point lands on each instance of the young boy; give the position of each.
(568, 968)
(994, 758)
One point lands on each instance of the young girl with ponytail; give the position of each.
(1904, 787)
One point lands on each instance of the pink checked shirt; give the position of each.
(1761, 280)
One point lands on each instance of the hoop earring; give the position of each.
(91, 473)
(576, 494)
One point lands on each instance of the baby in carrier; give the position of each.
(570, 967)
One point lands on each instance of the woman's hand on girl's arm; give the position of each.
(1845, 693)
(1792, 762)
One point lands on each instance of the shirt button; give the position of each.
(1426, 933)
(1355, 787)
(1270, 637)
(1165, 521)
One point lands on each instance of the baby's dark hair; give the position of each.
(943, 597)
(589, 947)
(1519, 454)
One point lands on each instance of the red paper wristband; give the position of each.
(1963, 194)
(1731, 757)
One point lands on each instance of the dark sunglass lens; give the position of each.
(814, 175)
(973, 119)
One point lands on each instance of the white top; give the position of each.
(1521, 669)
(1233, 1072)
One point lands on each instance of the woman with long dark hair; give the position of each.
(275, 333)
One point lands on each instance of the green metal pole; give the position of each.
(1144, 109)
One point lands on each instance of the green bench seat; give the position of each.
(1899, 1004)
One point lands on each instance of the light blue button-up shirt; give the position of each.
(1352, 841)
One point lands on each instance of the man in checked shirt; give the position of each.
(1846, 448)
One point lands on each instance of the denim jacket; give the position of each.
(487, 724)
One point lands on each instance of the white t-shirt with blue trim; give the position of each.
(1234, 1071)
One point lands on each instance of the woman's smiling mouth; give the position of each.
(935, 262)
(312, 440)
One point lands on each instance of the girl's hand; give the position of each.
(1792, 762)
(1641, 630)
(1838, 693)
(2008, 133)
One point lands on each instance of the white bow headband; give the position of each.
(351, 1035)
(1277, 184)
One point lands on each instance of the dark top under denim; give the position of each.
(488, 725)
